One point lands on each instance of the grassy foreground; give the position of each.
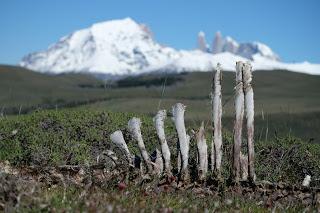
(78, 137)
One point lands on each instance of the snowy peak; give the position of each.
(230, 45)
(116, 47)
(124, 47)
(221, 44)
(218, 43)
(249, 50)
(202, 43)
(246, 50)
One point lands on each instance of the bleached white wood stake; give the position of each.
(158, 167)
(118, 140)
(244, 166)
(217, 113)
(249, 109)
(178, 118)
(202, 152)
(134, 127)
(159, 123)
(213, 154)
(239, 111)
(179, 160)
(111, 155)
(306, 181)
(188, 143)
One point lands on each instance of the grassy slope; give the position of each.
(275, 91)
(285, 102)
(21, 87)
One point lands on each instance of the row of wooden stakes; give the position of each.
(242, 165)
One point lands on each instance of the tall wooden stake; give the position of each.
(249, 108)
(159, 123)
(202, 153)
(239, 111)
(216, 117)
(134, 128)
(178, 118)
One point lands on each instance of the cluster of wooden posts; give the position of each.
(242, 165)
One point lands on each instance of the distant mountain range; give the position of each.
(228, 44)
(124, 47)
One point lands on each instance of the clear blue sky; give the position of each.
(290, 27)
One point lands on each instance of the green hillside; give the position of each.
(275, 92)
(285, 102)
(23, 88)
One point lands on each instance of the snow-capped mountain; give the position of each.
(246, 50)
(123, 47)
(118, 47)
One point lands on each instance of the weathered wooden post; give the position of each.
(134, 128)
(249, 108)
(202, 153)
(111, 156)
(159, 123)
(179, 160)
(118, 140)
(239, 111)
(244, 166)
(158, 163)
(306, 181)
(216, 151)
(178, 118)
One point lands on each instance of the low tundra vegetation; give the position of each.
(79, 137)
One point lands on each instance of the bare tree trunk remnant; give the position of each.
(118, 140)
(134, 128)
(212, 156)
(202, 153)
(159, 123)
(249, 107)
(244, 166)
(158, 163)
(178, 118)
(239, 111)
(216, 117)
